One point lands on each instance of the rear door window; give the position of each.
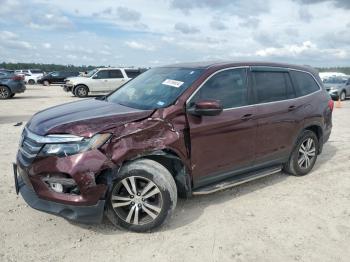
(272, 86)
(305, 83)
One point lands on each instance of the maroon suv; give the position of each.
(179, 130)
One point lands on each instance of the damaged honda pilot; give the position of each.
(181, 130)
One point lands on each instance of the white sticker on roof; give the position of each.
(171, 82)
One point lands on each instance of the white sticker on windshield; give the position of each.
(171, 82)
(160, 103)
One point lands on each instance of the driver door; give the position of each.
(100, 81)
(223, 143)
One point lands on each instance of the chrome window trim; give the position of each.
(238, 67)
(50, 139)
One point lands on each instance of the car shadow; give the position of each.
(189, 210)
(27, 97)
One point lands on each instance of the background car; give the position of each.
(100, 81)
(31, 76)
(56, 77)
(338, 87)
(10, 84)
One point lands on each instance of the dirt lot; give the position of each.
(278, 218)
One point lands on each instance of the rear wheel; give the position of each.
(81, 91)
(5, 92)
(304, 155)
(31, 82)
(143, 196)
(342, 96)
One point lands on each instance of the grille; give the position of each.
(28, 149)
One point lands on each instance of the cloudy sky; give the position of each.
(157, 32)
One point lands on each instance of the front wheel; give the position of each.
(31, 82)
(143, 196)
(342, 96)
(81, 91)
(304, 155)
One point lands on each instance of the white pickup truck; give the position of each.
(100, 81)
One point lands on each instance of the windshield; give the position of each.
(91, 73)
(156, 88)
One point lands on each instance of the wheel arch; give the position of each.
(7, 87)
(317, 129)
(176, 166)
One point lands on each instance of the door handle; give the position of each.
(247, 117)
(291, 108)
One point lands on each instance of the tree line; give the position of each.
(47, 67)
(84, 68)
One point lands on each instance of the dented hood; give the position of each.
(83, 118)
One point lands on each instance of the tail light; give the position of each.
(331, 104)
(17, 78)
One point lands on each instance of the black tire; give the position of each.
(12, 95)
(5, 92)
(81, 91)
(342, 96)
(31, 82)
(46, 83)
(143, 172)
(295, 166)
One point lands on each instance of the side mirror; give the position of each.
(206, 108)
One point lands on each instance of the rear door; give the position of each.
(116, 79)
(279, 115)
(222, 143)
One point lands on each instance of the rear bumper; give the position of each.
(84, 214)
(18, 87)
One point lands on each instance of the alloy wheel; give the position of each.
(137, 200)
(342, 96)
(307, 153)
(4, 93)
(81, 92)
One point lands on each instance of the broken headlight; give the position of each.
(70, 148)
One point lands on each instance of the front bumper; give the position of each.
(67, 88)
(84, 214)
(334, 94)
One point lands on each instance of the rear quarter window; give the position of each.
(304, 83)
(132, 73)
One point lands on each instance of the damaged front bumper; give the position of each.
(85, 214)
(67, 87)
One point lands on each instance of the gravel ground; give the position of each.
(277, 218)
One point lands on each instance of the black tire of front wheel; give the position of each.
(81, 91)
(160, 176)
